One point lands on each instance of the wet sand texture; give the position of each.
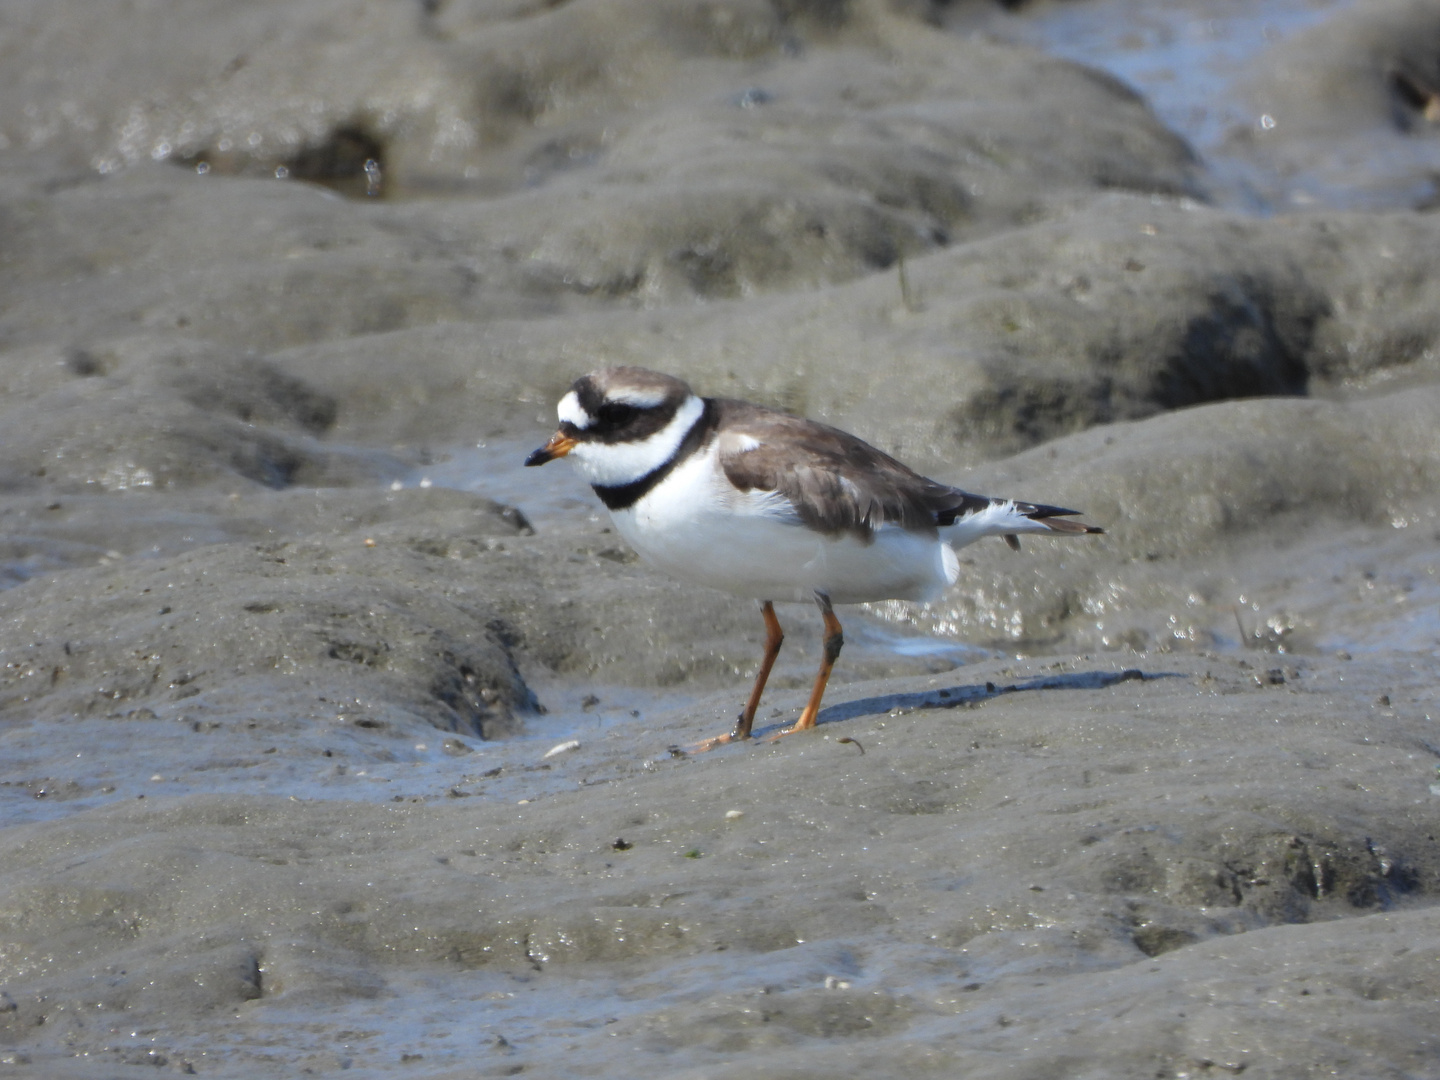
(1014, 863)
(306, 766)
(1353, 102)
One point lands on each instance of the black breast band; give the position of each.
(623, 496)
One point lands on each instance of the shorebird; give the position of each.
(771, 506)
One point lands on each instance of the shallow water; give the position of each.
(550, 497)
(1183, 56)
(1180, 55)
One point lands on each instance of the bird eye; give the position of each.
(615, 414)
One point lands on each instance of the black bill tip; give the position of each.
(559, 445)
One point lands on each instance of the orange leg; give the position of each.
(774, 637)
(834, 640)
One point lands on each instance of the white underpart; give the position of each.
(570, 411)
(698, 527)
(614, 464)
(998, 519)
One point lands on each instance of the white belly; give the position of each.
(695, 527)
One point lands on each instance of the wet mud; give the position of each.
(333, 739)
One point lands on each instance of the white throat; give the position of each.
(615, 464)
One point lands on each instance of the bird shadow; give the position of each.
(953, 697)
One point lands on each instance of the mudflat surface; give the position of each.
(332, 739)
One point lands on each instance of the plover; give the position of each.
(764, 504)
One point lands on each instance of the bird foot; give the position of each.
(718, 740)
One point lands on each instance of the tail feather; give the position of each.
(1061, 525)
(976, 516)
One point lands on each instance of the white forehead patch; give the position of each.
(641, 399)
(570, 411)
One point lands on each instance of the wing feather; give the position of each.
(837, 483)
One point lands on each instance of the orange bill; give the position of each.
(559, 445)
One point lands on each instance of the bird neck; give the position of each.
(624, 496)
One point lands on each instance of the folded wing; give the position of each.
(839, 484)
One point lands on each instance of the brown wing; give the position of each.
(835, 482)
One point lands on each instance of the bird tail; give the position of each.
(981, 517)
